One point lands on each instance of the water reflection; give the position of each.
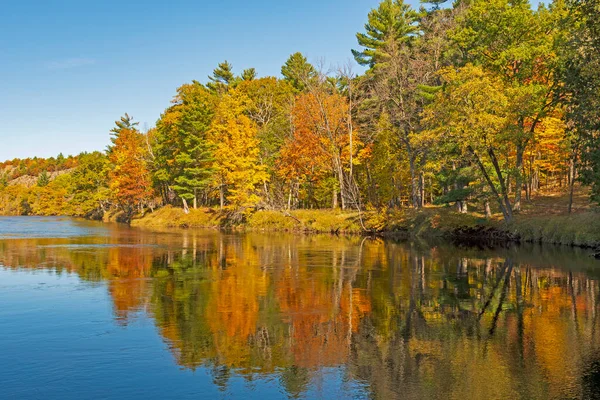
(403, 320)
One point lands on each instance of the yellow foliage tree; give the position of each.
(238, 168)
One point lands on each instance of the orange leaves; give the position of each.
(321, 136)
(130, 179)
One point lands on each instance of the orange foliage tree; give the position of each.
(323, 141)
(130, 181)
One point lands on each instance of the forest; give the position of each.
(478, 105)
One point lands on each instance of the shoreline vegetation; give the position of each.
(486, 105)
(578, 230)
(552, 225)
(543, 220)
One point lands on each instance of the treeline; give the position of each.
(16, 168)
(481, 104)
(74, 185)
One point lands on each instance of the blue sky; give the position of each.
(70, 68)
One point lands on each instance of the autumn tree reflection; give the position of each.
(403, 319)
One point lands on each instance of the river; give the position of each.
(104, 311)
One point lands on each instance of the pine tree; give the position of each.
(393, 22)
(183, 153)
(126, 122)
(298, 71)
(221, 78)
(43, 179)
(249, 74)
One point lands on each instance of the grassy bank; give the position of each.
(172, 217)
(317, 221)
(581, 229)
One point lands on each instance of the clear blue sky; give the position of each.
(70, 68)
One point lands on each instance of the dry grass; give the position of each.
(325, 221)
(579, 229)
(173, 217)
(545, 219)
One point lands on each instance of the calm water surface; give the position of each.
(107, 312)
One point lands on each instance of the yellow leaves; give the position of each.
(472, 108)
(549, 150)
(238, 166)
(171, 117)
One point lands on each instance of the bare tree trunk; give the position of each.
(462, 207)
(488, 210)
(334, 199)
(572, 180)
(496, 165)
(502, 199)
(519, 177)
(413, 183)
(422, 189)
(195, 199)
(267, 194)
(430, 191)
(459, 203)
(222, 196)
(186, 209)
(343, 194)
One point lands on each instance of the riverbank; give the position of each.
(581, 229)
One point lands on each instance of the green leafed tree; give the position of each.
(183, 155)
(469, 118)
(515, 42)
(90, 194)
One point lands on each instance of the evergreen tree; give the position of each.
(126, 122)
(183, 153)
(581, 59)
(221, 78)
(401, 76)
(249, 74)
(60, 161)
(392, 23)
(43, 179)
(298, 71)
